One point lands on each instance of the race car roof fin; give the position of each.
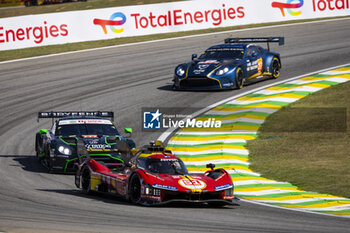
(279, 40)
(54, 115)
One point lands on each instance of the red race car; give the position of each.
(153, 176)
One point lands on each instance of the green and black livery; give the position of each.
(56, 148)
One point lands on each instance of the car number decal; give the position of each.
(192, 184)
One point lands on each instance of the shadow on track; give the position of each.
(104, 197)
(28, 163)
(113, 199)
(170, 88)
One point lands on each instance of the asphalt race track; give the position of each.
(125, 79)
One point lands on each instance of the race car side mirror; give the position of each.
(128, 131)
(194, 56)
(43, 131)
(211, 166)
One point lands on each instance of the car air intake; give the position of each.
(198, 82)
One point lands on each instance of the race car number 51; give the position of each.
(192, 184)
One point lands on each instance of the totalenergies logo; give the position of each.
(117, 19)
(291, 4)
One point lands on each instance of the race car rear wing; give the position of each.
(279, 40)
(55, 115)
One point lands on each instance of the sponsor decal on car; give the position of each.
(98, 146)
(222, 187)
(208, 62)
(161, 186)
(260, 64)
(84, 121)
(192, 184)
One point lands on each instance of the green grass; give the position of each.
(298, 144)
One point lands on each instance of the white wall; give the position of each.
(88, 25)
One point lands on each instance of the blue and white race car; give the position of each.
(230, 65)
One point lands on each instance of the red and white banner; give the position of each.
(88, 25)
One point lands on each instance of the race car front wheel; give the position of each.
(135, 189)
(276, 68)
(239, 78)
(85, 180)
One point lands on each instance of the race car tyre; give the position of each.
(47, 163)
(85, 180)
(131, 143)
(276, 67)
(174, 87)
(39, 147)
(239, 78)
(135, 189)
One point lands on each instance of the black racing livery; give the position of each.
(56, 148)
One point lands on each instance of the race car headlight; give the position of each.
(156, 192)
(180, 71)
(149, 190)
(222, 71)
(229, 192)
(64, 150)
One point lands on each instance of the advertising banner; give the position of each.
(101, 24)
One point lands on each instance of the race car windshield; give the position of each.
(223, 53)
(165, 166)
(86, 129)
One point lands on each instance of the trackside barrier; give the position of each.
(89, 25)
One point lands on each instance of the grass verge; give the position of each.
(307, 143)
